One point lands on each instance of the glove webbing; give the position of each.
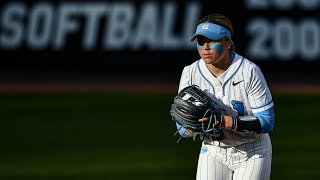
(205, 130)
(204, 100)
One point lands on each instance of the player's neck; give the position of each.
(220, 67)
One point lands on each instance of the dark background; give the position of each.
(73, 63)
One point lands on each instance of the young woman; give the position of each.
(239, 88)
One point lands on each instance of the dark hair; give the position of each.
(221, 20)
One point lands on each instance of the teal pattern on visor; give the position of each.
(212, 31)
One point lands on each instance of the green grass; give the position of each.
(296, 138)
(130, 136)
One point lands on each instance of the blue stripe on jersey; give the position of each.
(182, 131)
(262, 105)
(205, 78)
(266, 119)
(232, 76)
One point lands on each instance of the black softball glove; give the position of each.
(192, 104)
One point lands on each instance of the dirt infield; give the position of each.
(134, 87)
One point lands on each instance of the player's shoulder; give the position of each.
(246, 64)
(245, 61)
(193, 66)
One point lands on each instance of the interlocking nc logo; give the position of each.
(205, 26)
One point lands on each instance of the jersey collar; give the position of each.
(227, 75)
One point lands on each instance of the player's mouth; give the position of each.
(207, 55)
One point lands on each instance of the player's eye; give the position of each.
(202, 40)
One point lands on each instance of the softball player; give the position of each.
(239, 88)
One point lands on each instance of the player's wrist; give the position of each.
(234, 123)
(246, 124)
(227, 122)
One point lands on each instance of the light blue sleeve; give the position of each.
(266, 119)
(182, 131)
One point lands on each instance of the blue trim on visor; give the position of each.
(212, 31)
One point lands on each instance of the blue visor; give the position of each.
(212, 31)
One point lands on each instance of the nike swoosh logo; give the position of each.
(234, 84)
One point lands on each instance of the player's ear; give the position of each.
(229, 43)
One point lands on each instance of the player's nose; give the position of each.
(206, 46)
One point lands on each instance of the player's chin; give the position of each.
(208, 60)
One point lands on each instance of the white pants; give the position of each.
(250, 161)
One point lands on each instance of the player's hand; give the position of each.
(226, 121)
(206, 119)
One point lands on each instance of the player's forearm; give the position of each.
(227, 122)
(184, 132)
(245, 124)
(266, 119)
(261, 122)
(189, 132)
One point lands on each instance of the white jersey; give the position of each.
(240, 91)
